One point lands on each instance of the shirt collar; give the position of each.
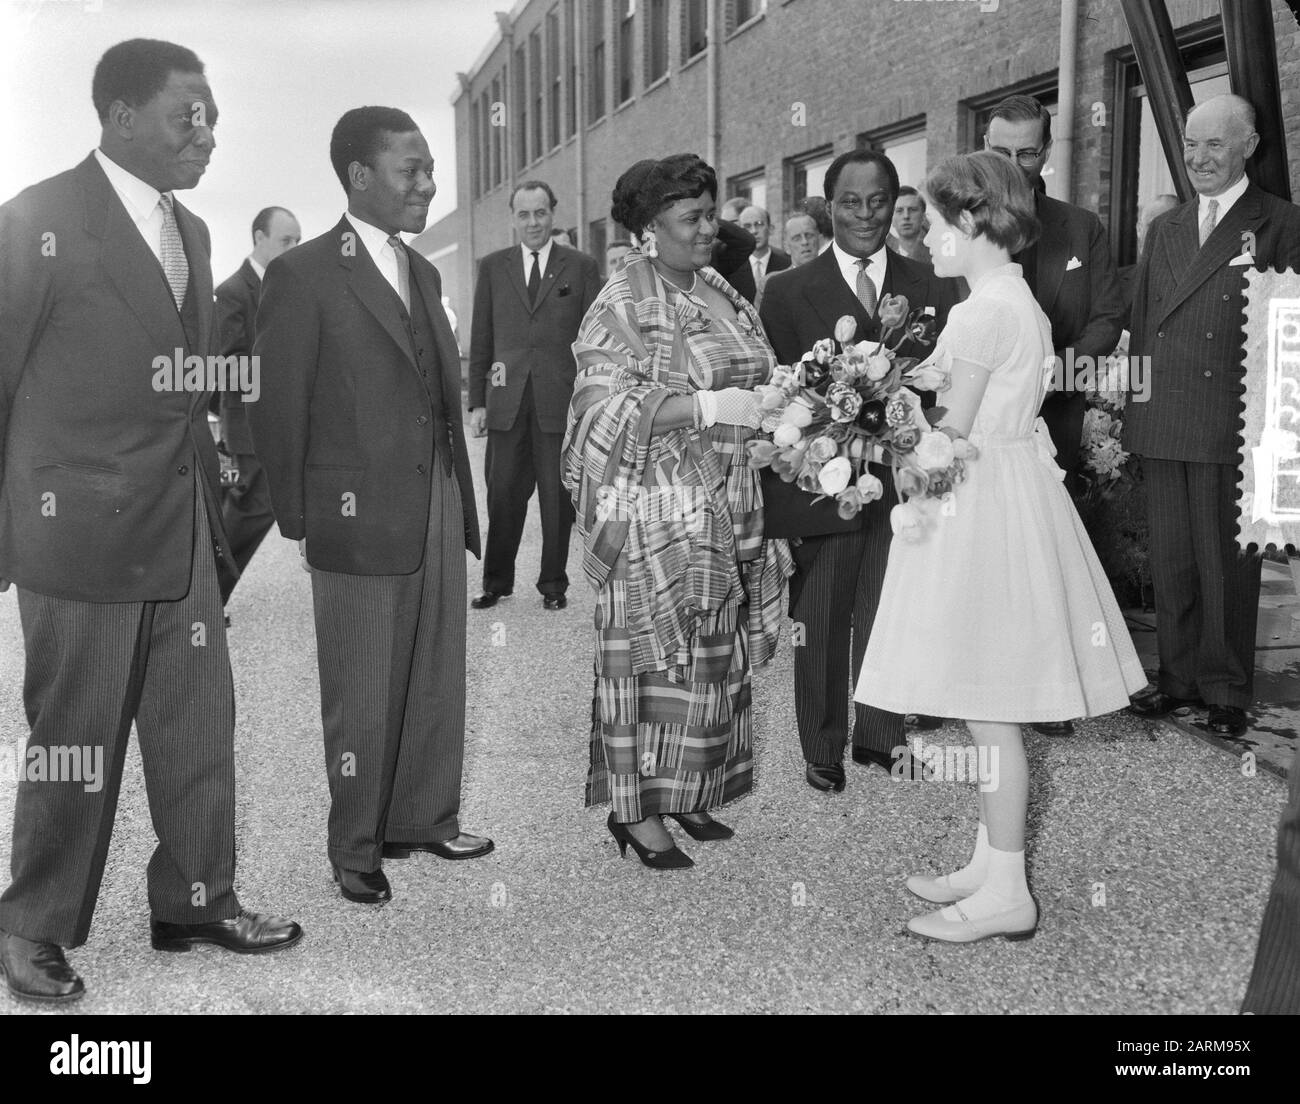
(141, 199)
(1225, 199)
(543, 256)
(848, 263)
(260, 270)
(373, 238)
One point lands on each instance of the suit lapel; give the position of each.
(128, 262)
(1053, 250)
(514, 263)
(367, 283)
(830, 298)
(1222, 245)
(251, 280)
(200, 272)
(551, 276)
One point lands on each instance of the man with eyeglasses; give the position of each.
(1073, 278)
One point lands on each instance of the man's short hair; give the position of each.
(1023, 109)
(908, 190)
(993, 191)
(136, 70)
(860, 157)
(533, 185)
(263, 220)
(361, 134)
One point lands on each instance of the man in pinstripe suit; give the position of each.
(359, 429)
(1187, 318)
(110, 527)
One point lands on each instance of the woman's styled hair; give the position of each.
(995, 193)
(651, 186)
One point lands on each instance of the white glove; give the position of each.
(730, 406)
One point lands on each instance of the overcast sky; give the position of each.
(281, 71)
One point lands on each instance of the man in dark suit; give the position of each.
(110, 528)
(528, 304)
(1071, 274)
(358, 428)
(766, 260)
(246, 505)
(1187, 319)
(838, 559)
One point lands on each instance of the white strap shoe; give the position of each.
(938, 891)
(1015, 923)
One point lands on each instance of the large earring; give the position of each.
(648, 244)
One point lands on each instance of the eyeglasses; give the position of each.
(1023, 156)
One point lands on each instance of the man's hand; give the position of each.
(302, 551)
(478, 421)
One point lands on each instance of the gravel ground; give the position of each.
(1150, 855)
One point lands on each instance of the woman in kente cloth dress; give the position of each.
(688, 595)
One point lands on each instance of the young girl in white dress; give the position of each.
(998, 611)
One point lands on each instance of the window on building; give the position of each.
(806, 174)
(553, 75)
(497, 129)
(656, 41)
(1139, 170)
(904, 144)
(751, 187)
(695, 28)
(740, 12)
(599, 57)
(521, 99)
(535, 91)
(571, 56)
(978, 111)
(626, 35)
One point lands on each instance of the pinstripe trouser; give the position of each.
(1206, 588)
(93, 668)
(838, 586)
(391, 653)
(1275, 981)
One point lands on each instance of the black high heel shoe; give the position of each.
(708, 831)
(672, 859)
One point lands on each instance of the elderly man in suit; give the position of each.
(1073, 278)
(841, 564)
(766, 259)
(110, 528)
(246, 504)
(802, 239)
(528, 304)
(358, 428)
(1187, 318)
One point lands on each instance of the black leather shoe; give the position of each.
(922, 722)
(827, 777)
(707, 831)
(489, 598)
(463, 846)
(37, 971)
(1156, 703)
(247, 933)
(1227, 720)
(363, 887)
(1054, 728)
(555, 601)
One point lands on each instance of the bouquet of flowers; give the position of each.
(844, 405)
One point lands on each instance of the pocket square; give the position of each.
(564, 290)
(1074, 262)
(1242, 259)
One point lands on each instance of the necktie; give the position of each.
(403, 271)
(534, 279)
(175, 266)
(1211, 219)
(866, 289)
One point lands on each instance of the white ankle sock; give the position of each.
(1004, 887)
(972, 875)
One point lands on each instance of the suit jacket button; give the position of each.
(419, 468)
(1209, 337)
(1161, 334)
(1208, 375)
(183, 470)
(1226, 298)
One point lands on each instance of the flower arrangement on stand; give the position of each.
(1112, 499)
(846, 405)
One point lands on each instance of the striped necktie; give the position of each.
(403, 271)
(175, 265)
(1211, 220)
(866, 289)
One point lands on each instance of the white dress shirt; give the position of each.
(759, 264)
(141, 201)
(1226, 199)
(376, 243)
(257, 268)
(875, 269)
(543, 259)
